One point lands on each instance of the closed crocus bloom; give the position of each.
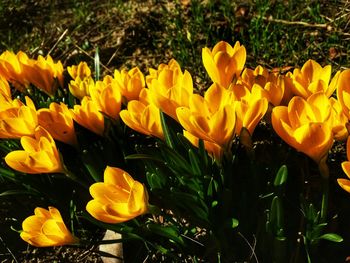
(58, 121)
(118, 198)
(224, 63)
(343, 91)
(130, 83)
(42, 73)
(11, 68)
(89, 116)
(39, 155)
(251, 109)
(312, 78)
(107, 97)
(345, 183)
(304, 126)
(81, 87)
(81, 70)
(170, 88)
(19, 120)
(213, 126)
(272, 83)
(143, 118)
(46, 229)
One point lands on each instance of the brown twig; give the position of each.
(299, 23)
(58, 41)
(327, 27)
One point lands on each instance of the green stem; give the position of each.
(323, 167)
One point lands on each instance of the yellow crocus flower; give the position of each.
(18, 120)
(130, 83)
(81, 71)
(338, 120)
(46, 228)
(250, 109)
(224, 63)
(80, 88)
(272, 83)
(169, 88)
(312, 78)
(144, 118)
(58, 121)
(118, 198)
(305, 125)
(11, 68)
(345, 183)
(215, 125)
(39, 155)
(89, 116)
(43, 72)
(343, 91)
(107, 97)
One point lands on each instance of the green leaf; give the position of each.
(332, 237)
(6, 172)
(155, 180)
(184, 141)
(234, 223)
(97, 65)
(18, 192)
(194, 162)
(281, 176)
(203, 152)
(142, 156)
(166, 131)
(212, 187)
(166, 231)
(177, 161)
(276, 215)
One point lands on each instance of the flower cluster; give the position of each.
(308, 109)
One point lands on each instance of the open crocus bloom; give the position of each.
(217, 127)
(19, 120)
(312, 78)
(273, 84)
(224, 63)
(118, 198)
(46, 228)
(304, 126)
(39, 155)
